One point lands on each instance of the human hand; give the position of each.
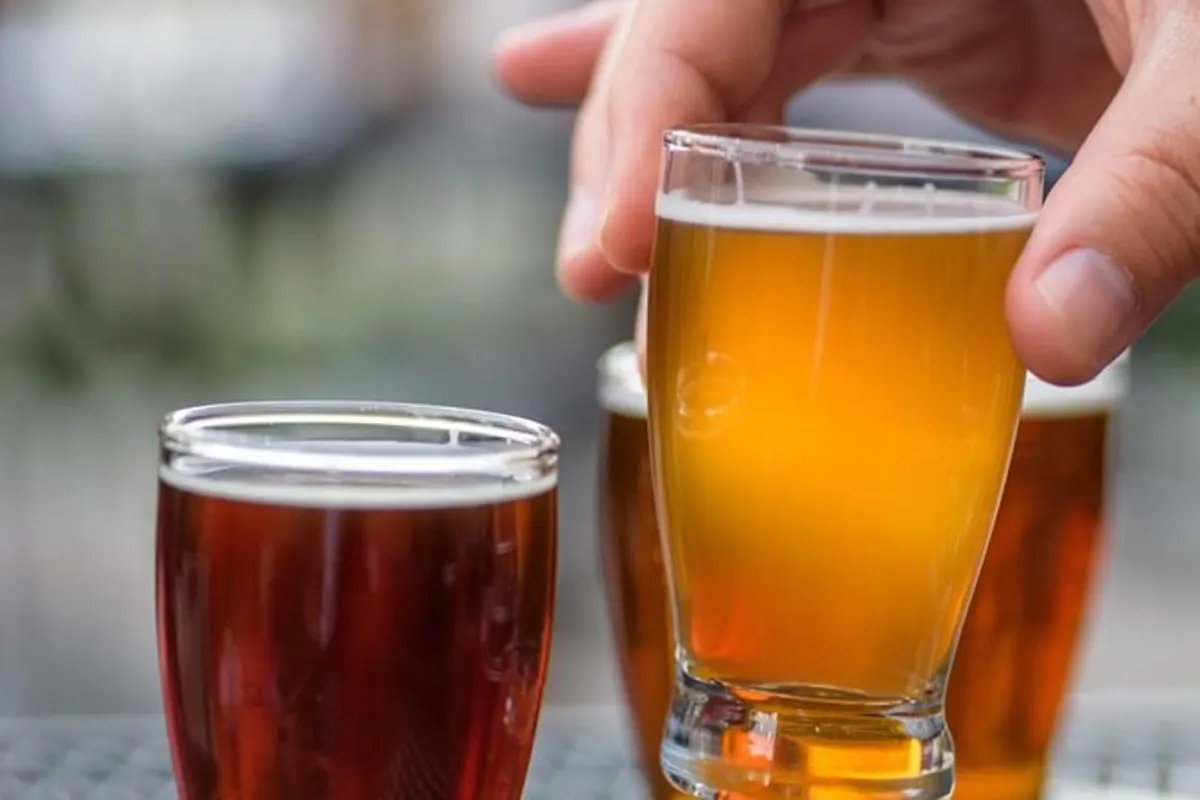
(1118, 238)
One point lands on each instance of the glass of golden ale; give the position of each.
(354, 600)
(833, 397)
(631, 555)
(1017, 648)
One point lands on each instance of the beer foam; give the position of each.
(856, 210)
(621, 390)
(269, 490)
(1102, 394)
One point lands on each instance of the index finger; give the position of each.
(552, 61)
(685, 62)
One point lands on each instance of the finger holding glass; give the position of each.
(833, 398)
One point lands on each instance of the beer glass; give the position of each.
(631, 555)
(1018, 645)
(354, 600)
(833, 396)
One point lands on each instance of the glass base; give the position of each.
(728, 742)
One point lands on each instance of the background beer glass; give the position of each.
(1018, 645)
(631, 554)
(354, 601)
(833, 398)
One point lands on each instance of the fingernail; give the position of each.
(579, 226)
(1094, 298)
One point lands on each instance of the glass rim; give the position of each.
(816, 149)
(217, 432)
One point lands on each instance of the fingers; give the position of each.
(686, 61)
(551, 61)
(566, 59)
(1119, 237)
(583, 271)
(695, 61)
(670, 73)
(823, 40)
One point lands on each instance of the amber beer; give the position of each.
(833, 396)
(361, 612)
(1018, 647)
(833, 426)
(631, 555)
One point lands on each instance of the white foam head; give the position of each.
(462, 492)
(854, 210)
(621, 390)
(1104, 393)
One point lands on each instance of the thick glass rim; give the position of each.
(240, 435)
(817, 150)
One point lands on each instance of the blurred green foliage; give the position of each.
(1178, 330)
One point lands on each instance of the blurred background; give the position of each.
(206, 200)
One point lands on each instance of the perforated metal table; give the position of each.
(1119, 750)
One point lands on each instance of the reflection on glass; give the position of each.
(833, 398)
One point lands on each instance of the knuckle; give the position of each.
(1160, 183)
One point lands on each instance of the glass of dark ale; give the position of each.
(632, 559)
(354, 600)
(1017, 650)
(833, 397)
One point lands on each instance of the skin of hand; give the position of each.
(1115, 81)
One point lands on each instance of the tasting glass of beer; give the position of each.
(1018, 645)
(632, 559)
(354, 600)
(833, 396)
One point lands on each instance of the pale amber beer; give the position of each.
(1017, 650)
(833, 399)
(354, 600)
(631, 554)
(1018, 646)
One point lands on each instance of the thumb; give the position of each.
(1119, 236)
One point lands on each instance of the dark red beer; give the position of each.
(327, 636)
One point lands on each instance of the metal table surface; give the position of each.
(1128, 749)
